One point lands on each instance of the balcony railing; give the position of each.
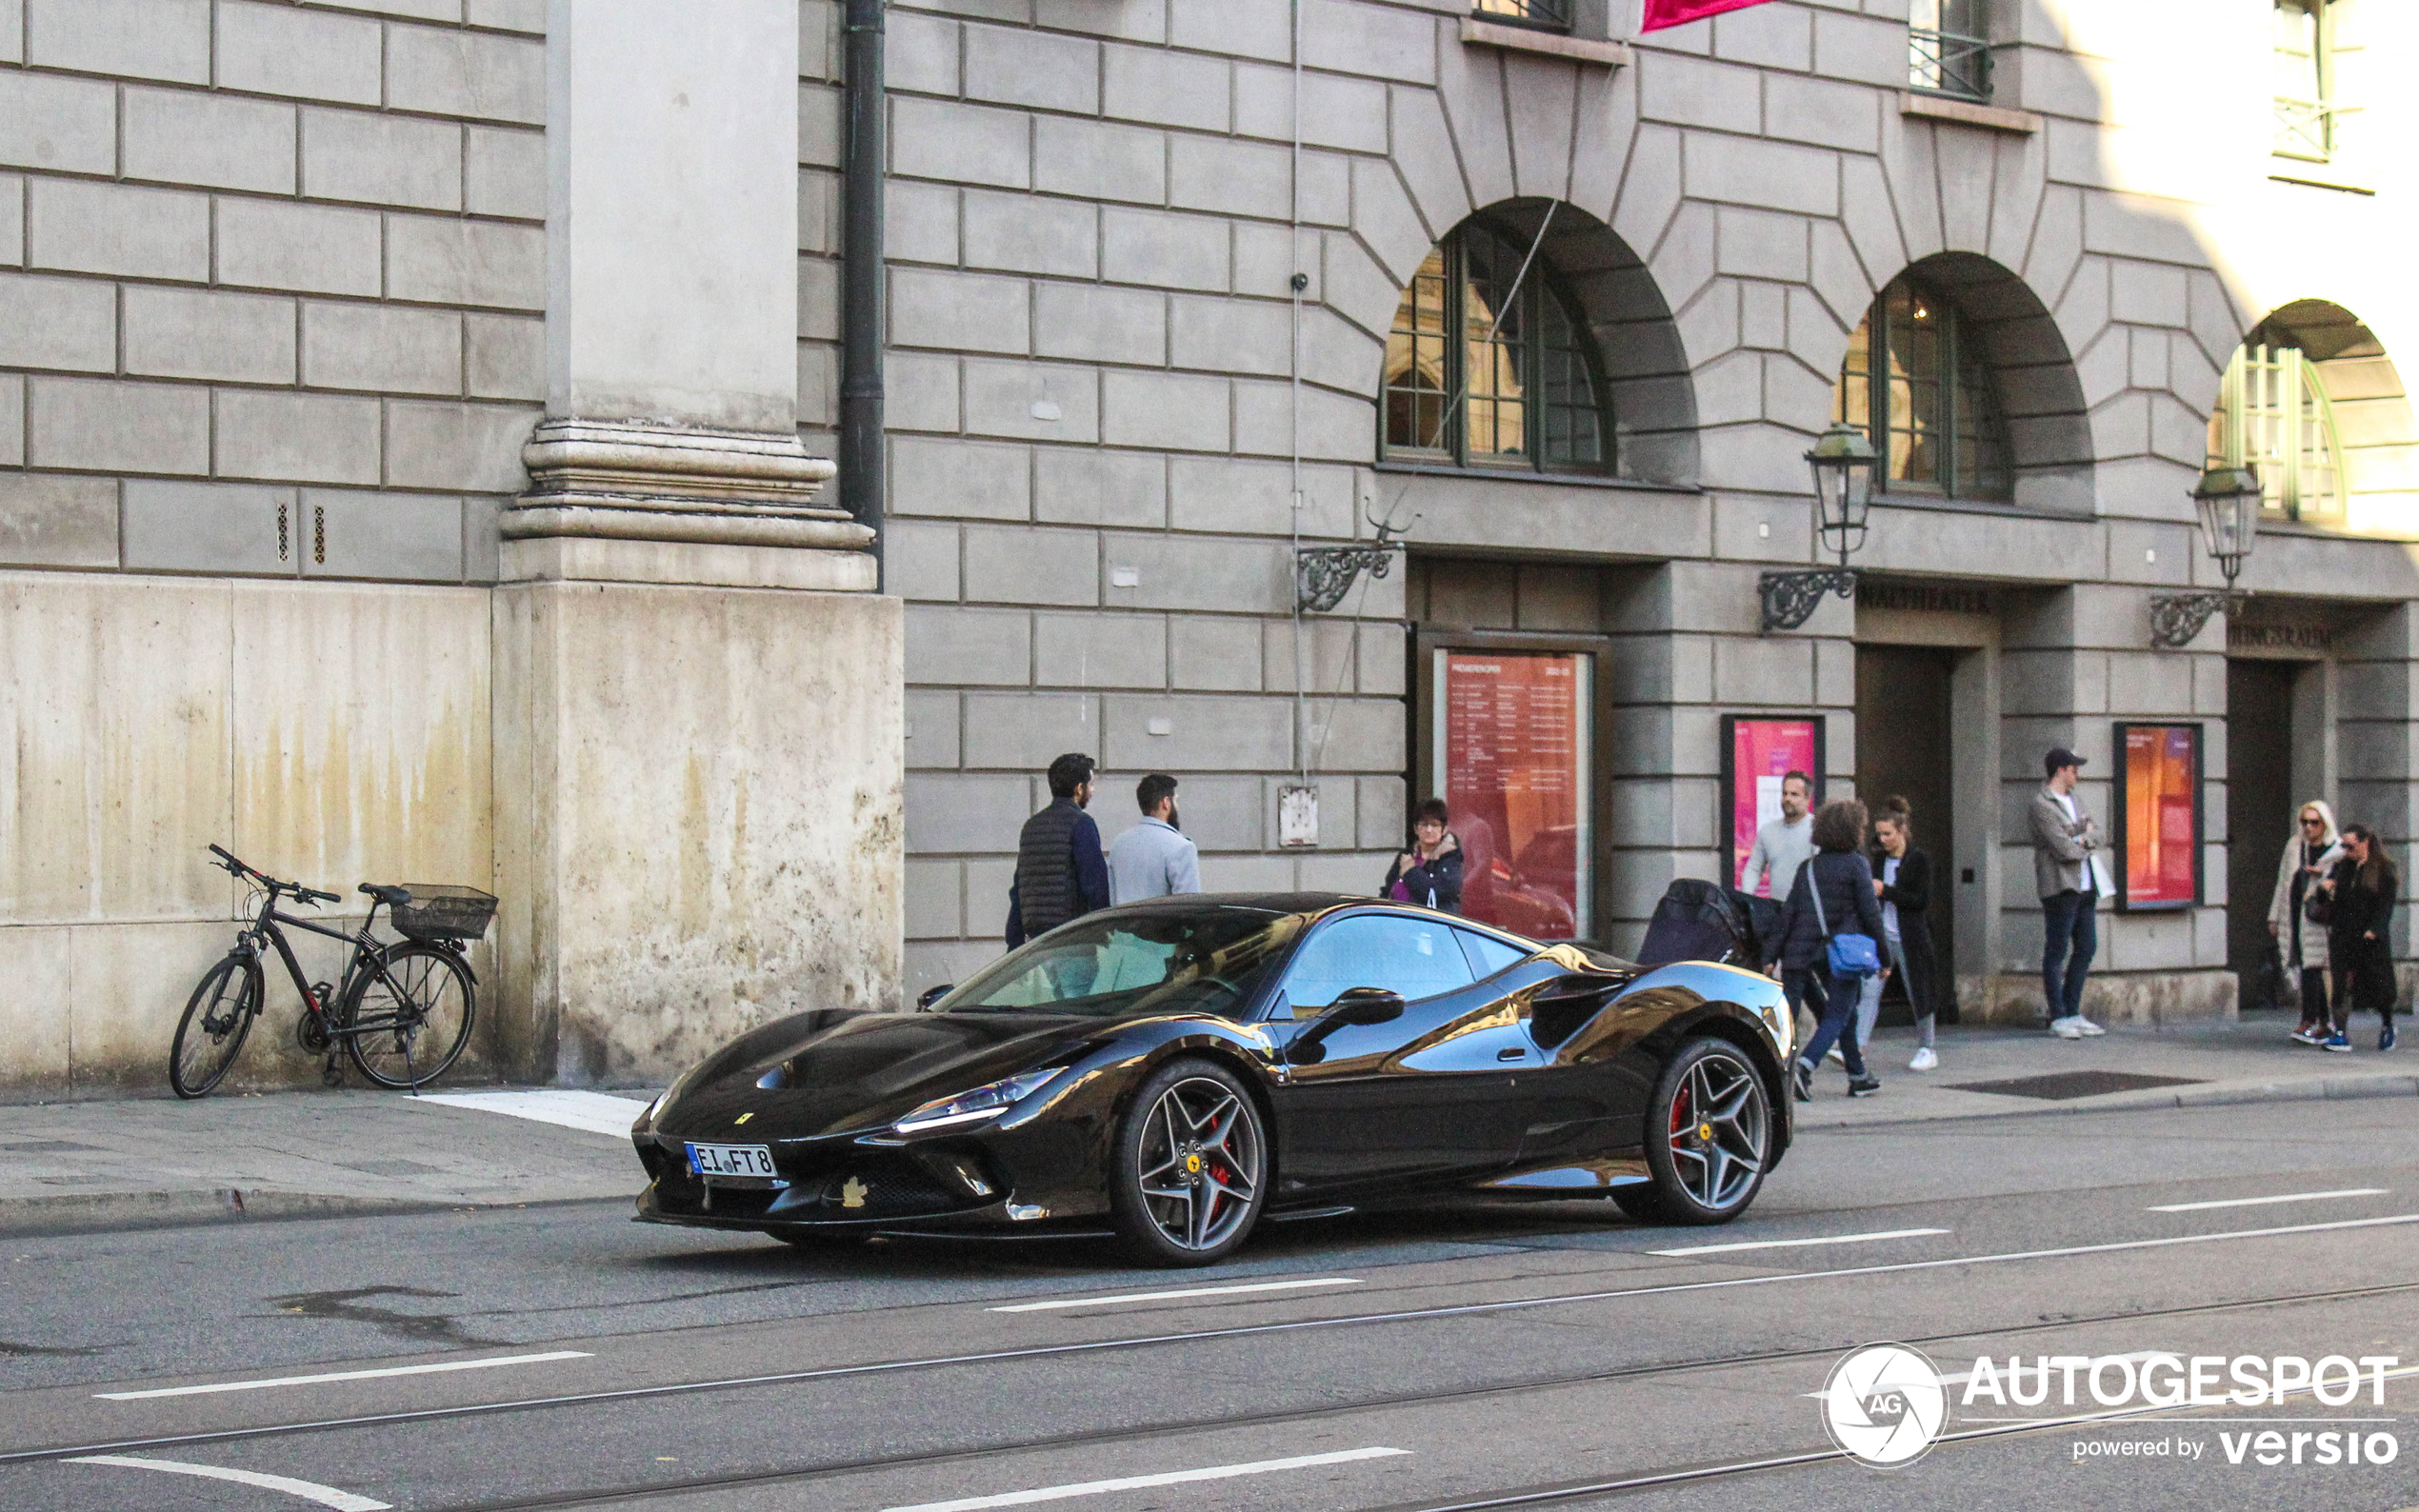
(2304, 129)
(1947, 63)
(1547, 15)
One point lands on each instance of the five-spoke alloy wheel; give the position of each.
(1192, 1166)
(1709, 1137)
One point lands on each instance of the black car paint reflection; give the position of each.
(1533, 1077)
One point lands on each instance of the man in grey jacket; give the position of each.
(1154, 859)
(2071, 872)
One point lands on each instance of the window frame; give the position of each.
(1950, 434)
(1538, 16)
(1964, 74)
(2313, 121)
(1542, 286)
(2302, 406)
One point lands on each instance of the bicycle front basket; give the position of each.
(440, 911)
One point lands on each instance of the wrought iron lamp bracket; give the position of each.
(2176, 618)
(1323, 574)
(1791, 598)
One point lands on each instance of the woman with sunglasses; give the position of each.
(2363, 889)
(2300, 929)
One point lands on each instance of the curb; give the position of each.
(2216, 1094)
(110, 1212)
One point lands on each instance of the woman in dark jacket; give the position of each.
(1430, 872)
(1902, 879)
(1847, 907)
(2360, 935)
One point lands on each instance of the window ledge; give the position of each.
(2316, 175)
(1552, 44)
(1942, 504)
(1529, 477)
(1966, 113)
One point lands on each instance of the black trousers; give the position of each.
(2314, 998)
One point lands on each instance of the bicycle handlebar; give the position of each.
(235, 867)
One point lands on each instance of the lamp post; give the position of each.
(2228, 500)
(1843, 462)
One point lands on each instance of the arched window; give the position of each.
(1486, 367)
(2273, 415)
(1915, 374)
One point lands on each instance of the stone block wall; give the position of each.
(271, 284)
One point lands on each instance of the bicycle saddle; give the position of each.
(391, 896)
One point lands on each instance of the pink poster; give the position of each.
(1762, 752)
(1513, 761)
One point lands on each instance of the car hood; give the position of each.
(839, 1072)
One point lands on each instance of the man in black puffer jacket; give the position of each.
(1062, 872)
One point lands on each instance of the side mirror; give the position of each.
(931, 995)
(1353, 1008)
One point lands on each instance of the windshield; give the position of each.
(1171, 961)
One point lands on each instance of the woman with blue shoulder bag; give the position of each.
(1830, 934)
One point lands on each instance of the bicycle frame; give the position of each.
(365, 952)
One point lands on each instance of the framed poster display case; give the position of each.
(2159, 816)
(1757, 751)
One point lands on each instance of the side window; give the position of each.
(1411, 956)
(1488, 955)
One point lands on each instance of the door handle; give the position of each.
(1512, 1053)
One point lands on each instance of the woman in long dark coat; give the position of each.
(2359, 936)
(1902, 878)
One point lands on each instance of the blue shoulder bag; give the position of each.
(1852, 955)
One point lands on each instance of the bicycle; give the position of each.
(394, 997)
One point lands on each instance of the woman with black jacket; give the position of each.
(1833, 895)
(1430, 873)
(2360, 935)
(1902, 879)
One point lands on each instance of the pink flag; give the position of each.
(1661, 13)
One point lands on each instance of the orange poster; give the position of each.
(1512, 755)
(2161, 817)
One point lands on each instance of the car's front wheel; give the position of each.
(1192, 1166)
(1708, 1138)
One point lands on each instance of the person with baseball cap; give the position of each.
(2069, 868)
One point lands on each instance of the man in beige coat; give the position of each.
(2310, 857)
(2070, 873)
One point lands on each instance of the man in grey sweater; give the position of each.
(2069, 870)
(1154, 859)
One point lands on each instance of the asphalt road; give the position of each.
(1472, 1357)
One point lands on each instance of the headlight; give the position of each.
(973, 1108)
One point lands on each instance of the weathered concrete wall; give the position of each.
(700, 811)
(333, 734)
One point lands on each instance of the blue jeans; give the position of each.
(2072, 920)
(1839, 997)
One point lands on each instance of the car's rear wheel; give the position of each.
(1708, 1138)
(1190, 1172)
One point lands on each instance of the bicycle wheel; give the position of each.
(217, 1017)
(406, 1026)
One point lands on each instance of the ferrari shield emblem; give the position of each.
(852, 1193)
(1193, 1166)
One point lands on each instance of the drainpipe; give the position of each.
(861, 292)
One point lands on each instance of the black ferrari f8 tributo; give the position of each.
(1175, 1071)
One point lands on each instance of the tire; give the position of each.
(1189, 1174)
(422, 1031)
(1708, 1136)
(217, 1019)
(1638, 1203)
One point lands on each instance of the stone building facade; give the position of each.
(286, 287)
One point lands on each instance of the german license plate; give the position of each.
(731, 1160)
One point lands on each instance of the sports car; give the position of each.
(1177, 1072)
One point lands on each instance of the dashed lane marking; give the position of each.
(1171, 1296)
(2263, 1201)
(308, 1490)
(442, 1367)
(1138, 1483)
(1801, 1244)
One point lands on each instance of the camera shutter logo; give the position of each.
(1884, 1404)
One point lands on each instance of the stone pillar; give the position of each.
(698, 696)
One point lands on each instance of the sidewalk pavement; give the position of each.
(81, 1166)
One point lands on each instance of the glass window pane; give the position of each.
(1488, 955)
(1415, 957)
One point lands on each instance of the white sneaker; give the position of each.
(1924, 1061)
(2091, 1030)
(1837, 1057)
(2066, 1028)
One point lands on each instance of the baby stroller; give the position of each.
(1704, 921)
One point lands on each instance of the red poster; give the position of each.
(1762, 752)
(1661, 13)
(1512, 743)
(2161, 837)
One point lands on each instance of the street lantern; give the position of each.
(1842, 463)
(2229, 500)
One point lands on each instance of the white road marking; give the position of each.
(1800, 1243)
(593, 1111)
(1137, 1482)
(443, 1368)
(308, 1490)
(2263, 1201)
(1168, 1296)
